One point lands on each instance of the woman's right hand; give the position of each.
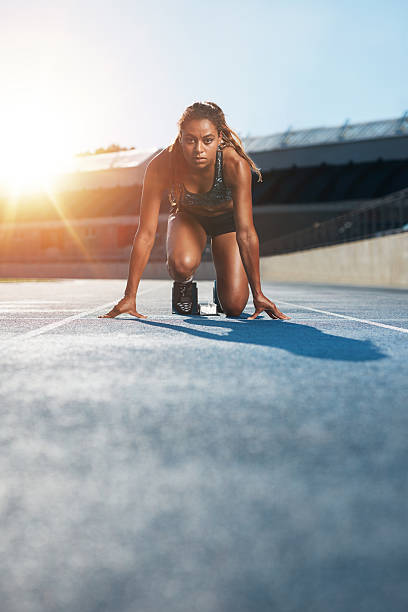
(125, 305)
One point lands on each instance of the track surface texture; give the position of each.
(203, 464)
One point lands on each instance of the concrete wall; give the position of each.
(377, 262)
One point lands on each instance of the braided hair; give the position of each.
(229, 138)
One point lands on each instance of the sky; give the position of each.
(76, 75)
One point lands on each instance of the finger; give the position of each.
(256, 313)
(114, 313)
(278, 314)
(282, 316)
(272, 310)
(137, 314)
(272, 314)
(109, 315)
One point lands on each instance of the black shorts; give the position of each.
(214, 225)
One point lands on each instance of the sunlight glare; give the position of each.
(37, 147)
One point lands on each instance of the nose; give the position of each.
(198, 147)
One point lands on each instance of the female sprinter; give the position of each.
(207, 176)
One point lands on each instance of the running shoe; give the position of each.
(184, 298)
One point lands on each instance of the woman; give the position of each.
(207, 176)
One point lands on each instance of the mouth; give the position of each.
(199, 158)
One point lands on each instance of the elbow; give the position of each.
(246, 235)
(144, 237)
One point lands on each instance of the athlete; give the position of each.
(207, 177)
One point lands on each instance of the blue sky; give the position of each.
(89, 73)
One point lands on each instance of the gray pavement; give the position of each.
(203, 463)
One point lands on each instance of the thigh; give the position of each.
(232, 281)
(186, 237)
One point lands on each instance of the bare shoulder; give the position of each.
(236, 169)
(158, 168)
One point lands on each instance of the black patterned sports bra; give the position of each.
(218, 193)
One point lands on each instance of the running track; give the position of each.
(188, 464)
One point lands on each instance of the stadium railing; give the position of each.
(381, 216)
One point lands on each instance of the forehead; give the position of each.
(199, 127)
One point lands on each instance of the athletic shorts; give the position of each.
(216, 224)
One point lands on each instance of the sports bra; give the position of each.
(218, 193)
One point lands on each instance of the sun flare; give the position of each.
(36, 148)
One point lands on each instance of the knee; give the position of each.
(182, 267)
(233, 312)
(233, 305)
(233, 309)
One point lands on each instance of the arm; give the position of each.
(143, 241)
(145, 236)
(247, 237)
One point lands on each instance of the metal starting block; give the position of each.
(207, 309)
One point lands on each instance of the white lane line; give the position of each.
(45, 328)
(335, 314)
(28, 302)
(24, 310)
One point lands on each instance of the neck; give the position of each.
(209, 169)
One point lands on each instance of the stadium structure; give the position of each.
(310, 177)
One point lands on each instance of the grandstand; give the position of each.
(309, 177)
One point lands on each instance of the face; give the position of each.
(199, 142)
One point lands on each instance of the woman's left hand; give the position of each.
(261, 303)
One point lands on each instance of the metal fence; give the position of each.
(378, 217)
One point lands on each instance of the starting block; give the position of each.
(202, 309)
(213, 308)
(207, 309)
(215, 298)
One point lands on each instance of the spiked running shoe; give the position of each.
(184, 298)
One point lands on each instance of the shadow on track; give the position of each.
(296, 338)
